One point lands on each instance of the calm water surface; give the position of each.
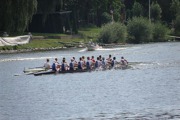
(147, 91)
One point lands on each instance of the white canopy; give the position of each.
(11, 41)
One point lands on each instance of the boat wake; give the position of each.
(110, 49)
(23, 59)
(83, 50)
(102, 49)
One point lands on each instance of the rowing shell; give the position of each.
(59, 72)
(79, 70)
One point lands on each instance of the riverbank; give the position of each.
(30, 50)
(66, 47)
(54, 41)
(83, 46)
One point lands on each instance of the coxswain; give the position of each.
(47, 64)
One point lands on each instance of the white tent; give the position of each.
(11, 41)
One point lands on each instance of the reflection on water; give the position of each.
(147, 91)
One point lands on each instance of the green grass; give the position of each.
(48, 34)
(90, 33)
(87, 33)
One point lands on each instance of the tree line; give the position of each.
(16, 15)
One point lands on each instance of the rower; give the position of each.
(47, 64)
(83, 59)
(80, 64)
(104, 62)
(123, 61)
(88, 63)
(100, 57)
(64, 65)
(109, 59)
(92, 59)
(71, 65)
(97, 63)
(55, 65)
(75, 62)
(113, 63)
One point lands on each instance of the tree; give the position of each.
(45, 7)
(175, 8)
(166, 13)
(137, 9)
(16, 15)
(155, 11)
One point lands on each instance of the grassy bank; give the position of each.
(55, 41)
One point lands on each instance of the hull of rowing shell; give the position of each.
(79, 71)
(59, 72)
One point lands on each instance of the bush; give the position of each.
(139, 30)
(113, 33)
(160, 32)
(177, 25)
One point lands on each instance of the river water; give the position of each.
(150, 90)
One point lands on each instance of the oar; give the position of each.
(29, 73)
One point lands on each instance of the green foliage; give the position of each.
(137, 9)
(160, 32)
(113, 33)
(116, 16)
(16, 15)
(46, 7)
(89, 33)
(106, 18)
(139, 29)
(155, 11)
(116, 6)
(177, 25)
(175, 8)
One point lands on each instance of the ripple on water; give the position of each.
(149, 114)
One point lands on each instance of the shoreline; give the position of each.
(34, 50)
(56, 48)
(65, 48)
